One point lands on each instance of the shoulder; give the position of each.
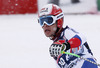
(69, 29)
(69, 32)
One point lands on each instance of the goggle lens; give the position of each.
(47, 19)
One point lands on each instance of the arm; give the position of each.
(75, 41)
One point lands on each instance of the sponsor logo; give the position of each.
(73, 63)
(44, 10)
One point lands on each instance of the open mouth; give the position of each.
(47, 30)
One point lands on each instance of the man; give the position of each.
(64, 39)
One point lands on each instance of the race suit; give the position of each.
(78, 46)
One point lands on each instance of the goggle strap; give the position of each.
(59, 16)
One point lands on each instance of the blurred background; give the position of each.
(22, 41)
(32, 6)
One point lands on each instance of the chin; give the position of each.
(47, 36)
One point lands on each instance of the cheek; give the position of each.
(54, 29)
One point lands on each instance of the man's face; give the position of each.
(49, 30)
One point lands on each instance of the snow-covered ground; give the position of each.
(24, 45)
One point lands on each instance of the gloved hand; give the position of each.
(56, 48)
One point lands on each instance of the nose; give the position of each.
(45, 25)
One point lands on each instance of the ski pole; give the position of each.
(62, 52)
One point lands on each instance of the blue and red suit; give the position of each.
(78, 45)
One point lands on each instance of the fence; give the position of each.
(18, 6)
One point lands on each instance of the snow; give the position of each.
(24, 45)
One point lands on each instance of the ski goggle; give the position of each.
(49, 19)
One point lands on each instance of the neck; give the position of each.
(57, 35)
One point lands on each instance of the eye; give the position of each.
(50, 20)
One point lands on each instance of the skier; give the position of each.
(66, 39)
